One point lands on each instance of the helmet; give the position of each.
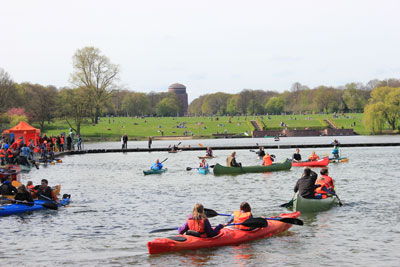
(6, 146)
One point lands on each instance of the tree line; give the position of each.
(95, 91)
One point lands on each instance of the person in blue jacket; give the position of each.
(156, 165)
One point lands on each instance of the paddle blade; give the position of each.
(255, 223)
(210, 213)
(50, 205)
(200, 145)
(291, 221)
(188, 168)
(163, 230)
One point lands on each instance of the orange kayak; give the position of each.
(226, 237)
(317, 163)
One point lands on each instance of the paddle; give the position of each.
(212, 213)
(52, 200)
(252, 223)
(290, 203)
(200, 145)
(332, 193)
(47, 205)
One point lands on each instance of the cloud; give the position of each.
(286, 59)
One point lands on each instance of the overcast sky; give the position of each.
(208, 46)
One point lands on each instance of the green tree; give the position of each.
(383, 106)
(95, 72)
(136, 104)
(215, 103)
(231, 105)
(274, 105)
(169, 106)
(7, 87)
(195, 105)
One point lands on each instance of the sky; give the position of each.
(209, 46)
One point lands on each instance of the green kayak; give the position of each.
(219, 169)
(313, 205)
(154, 171)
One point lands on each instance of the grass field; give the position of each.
(113, 128)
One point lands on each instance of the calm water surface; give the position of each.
(114, 206)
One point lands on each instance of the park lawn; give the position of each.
(348, 120)
(299, 122)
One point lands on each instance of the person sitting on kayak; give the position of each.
(267, 160)
(296, 156)
(306, 184)
(7, 188)
(198, 225)
(30, 187)
(261, 152)
(24, 195)
(44, 192)
(174, 148)
(203, 163)
(239, 216)
(209, 152)
(156, 165)
(313, 156)
(231, 161)
(335, 152)
(326, 184)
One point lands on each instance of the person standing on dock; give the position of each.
(124, 140)
(79, 142)
(150, 142)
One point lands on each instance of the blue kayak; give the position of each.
(203, 170)
(10, 209)
(152, 171)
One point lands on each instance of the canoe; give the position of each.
(227, 236)
(338, 160)
(206, 157)
(203, 170)
(174, 151)
(317, 163)
(10, 209)
(313, 205)
(154, 171)
(219, 169)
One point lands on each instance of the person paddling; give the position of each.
(239, 216)
(313, 156)
(267, 160)
(306, 184)
(231, 161)
(261, 152)
(296, 156)
(203, 163)
(198, 225)
(335, 152)
(209, 152)
(44, 192)
(156, 165)
(326, 184)
(23, 195)
(7, 188)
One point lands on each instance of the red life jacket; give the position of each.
(62, 140)
(10, 153)
(324, 181)
(32, 188)
(197, 225)
(313, 158)
(267, 160)
(2, 153)
(240, 217)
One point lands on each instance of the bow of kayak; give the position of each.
(154, 171)
(227, 236)
(203, 170)
(11, 209)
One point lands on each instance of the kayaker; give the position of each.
(174, 148)
(198, 225)
(335, 143)
(326, 184)
(209, 152)
(44, 192)
(231, 161)
(239, 216)
(6, 188)
(203, 163)
(30, 187)
(261, 152)
(3, 156)
(296, 156)
(267, 160)
(306, 184)
(313, 156)
(335, 152)
(156, 165)
(23, 195)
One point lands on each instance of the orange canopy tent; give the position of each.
(25, 131)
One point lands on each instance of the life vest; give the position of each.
(267, 160)
(313, 158)
(324, 181)
(46, 193)
(62, 140)
(197, 226)
(2, 153)
(10, 153)
(203, 165)
(240, 217)
(31, 188)
(327, 180)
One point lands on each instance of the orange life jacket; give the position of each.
(324, 181)
(198, 226)
(10, 153)
(328, 180)
(62, 140)
(2, 153)
(313, 157)
(267, 160)
(240, 217)
(32, 188)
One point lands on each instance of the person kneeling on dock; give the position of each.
(306, 184)
(231, 161)
(198, 225)
(326, 185)
(239, 216)
(156, 165)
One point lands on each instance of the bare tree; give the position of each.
(95, 72)
(6, 88)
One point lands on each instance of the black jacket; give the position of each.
(306, 185)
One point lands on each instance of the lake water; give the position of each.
(114, 206)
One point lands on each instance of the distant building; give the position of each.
(180, 91)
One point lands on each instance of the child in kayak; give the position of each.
(156, 165)
(313, 156)
(203, 163)
(198, 225)
(239, 216)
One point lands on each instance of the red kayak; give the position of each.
(318, 163)
(226, 237)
